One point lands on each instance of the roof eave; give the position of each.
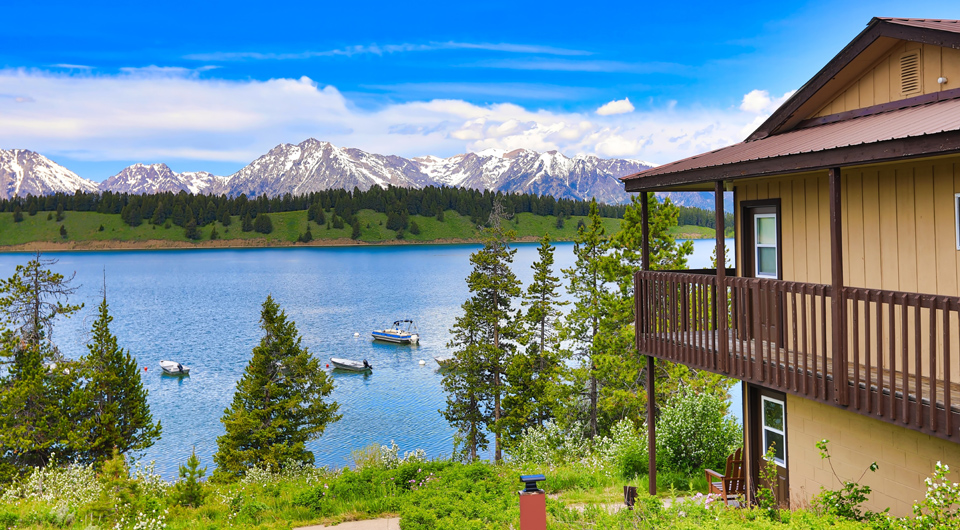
(856, 155)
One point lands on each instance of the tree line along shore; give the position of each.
(333, 217)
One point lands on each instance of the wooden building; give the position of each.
(842, 316)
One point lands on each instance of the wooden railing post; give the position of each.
(838, 303)
(720, 300)
(651, 389)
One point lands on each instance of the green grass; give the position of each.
(287, 226)
(425, 495)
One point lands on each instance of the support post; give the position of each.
(720, 300)
(651, 387)
(838, 305)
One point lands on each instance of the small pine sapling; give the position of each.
(188, 491)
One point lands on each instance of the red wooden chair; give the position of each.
(732, 484)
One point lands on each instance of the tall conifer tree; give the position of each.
(35, 421)
(280, 403)
(484, 336)
(112, 406)
(587, 286)
(534, 375)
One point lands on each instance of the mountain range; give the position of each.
(314, 165)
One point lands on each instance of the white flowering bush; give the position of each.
(551, 445)
(150, 481)
(72, 485)
(623, 453)
(695, 431)
(385, 456)
(150, 519)
(941, 506)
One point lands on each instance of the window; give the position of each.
(765, 237)
(956, 203)
(774, 429)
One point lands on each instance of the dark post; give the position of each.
(720, 308)
(651, 389)
(838, 304)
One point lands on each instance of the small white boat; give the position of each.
(174, 368)
(399, 333)
(351, 365)
(444, 361)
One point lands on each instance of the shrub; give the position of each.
(694, 431)
(72, 485)
(940, 508)
(846, 501)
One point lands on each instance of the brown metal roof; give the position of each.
(927, 23)
(918, 121)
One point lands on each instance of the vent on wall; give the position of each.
(910, 79)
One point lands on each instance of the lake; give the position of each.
(202, 308)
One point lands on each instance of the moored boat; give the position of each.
(174, 368)
(351, 365)
(444, 361)
(398, 333)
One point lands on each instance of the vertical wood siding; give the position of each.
(881, 83)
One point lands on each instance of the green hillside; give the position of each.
(84, 228)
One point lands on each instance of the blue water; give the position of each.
(202, 307)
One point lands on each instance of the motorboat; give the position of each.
(401, 332)
(445, 361)
(174, 368)
(351, 365)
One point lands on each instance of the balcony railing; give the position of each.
(898, 353)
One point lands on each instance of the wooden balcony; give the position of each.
(895, 357)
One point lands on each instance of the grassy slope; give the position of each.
(287, 226)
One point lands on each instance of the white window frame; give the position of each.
(776, 247)
(763, 427)
(956, 213)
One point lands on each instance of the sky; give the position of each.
(210, 86)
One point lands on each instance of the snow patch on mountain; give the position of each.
(24, 172)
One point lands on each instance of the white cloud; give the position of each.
(160, 114)
(618, 106)
(377, 49)
(759, 101)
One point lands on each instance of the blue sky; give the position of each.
(210, 86)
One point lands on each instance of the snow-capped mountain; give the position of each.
(159, 178)
(523, 170)
(313, 165)
(24, 172)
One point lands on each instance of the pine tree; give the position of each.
(485, 335)
(38, 383)
(263, 224)
(60, 212)
(534, 375)
(279, 404)
(587, 286)
(191, 230)
(18, 214)
(113, 402)
(355, 229)
(214, 235)
(246, 224)
(188, 491)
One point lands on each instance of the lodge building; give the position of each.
(842, 315)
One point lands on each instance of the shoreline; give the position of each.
(161, 244)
